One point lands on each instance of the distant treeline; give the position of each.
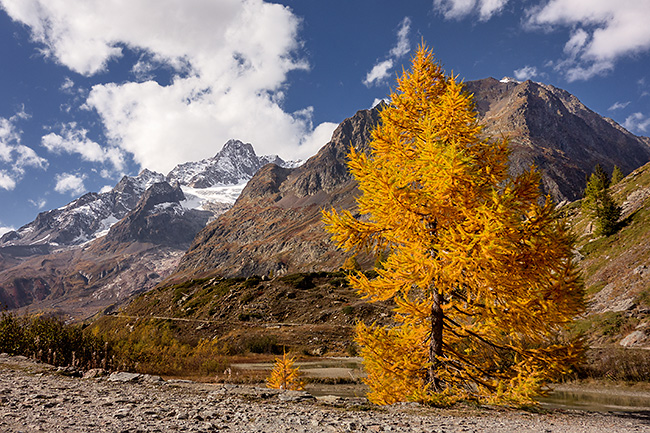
(153, 348)
(51, 340)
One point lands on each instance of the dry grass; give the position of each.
(616, 364)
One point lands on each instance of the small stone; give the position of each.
(122, 413)
(330, 399)
(94, 373)
(295, 396)
(149, 378)
(123, 376)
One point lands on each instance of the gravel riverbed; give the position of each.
(36, 397)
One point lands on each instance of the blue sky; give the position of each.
(91, 90)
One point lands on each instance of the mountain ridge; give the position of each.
(91, 215)
(103, 247)
(274, 227)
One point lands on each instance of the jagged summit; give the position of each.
(93, 214)
(234, 164)
(550, 128)
(159, 218)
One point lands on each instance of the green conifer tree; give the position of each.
(617, 175)
(598, 203)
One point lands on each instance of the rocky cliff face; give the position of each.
(275, 226)
(551, 129)
(160, 219)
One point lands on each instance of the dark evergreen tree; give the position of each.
(598, 203)
(617, 175)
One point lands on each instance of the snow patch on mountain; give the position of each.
(196, 198)
(212, 184)
(509, 80)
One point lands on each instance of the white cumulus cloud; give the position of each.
(74, 140)
(604, 31)
(379, 73)
(637, 122)
(457, 9)
(526, 73)
(4, 229)
(229, 61)
(7, 181)
(69, 183)
(15, 157)
(601, 31)
(382, 69)
(39, 203)
(618, 105)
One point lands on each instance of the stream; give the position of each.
(587, 398)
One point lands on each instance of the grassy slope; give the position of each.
(307, 314)
(616, 269)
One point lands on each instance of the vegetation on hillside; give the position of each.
(598, 203)
(481, 274)
(616, 268)
(198, 327)
(50, 340)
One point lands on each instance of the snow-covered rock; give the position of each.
(211, 184)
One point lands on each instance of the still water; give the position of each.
(589, 398)
(595, 399)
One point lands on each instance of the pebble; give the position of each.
(33, 397)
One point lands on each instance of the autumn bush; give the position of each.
(51, 340)
(284, 375)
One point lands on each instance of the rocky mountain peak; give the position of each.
(550, 128)
(234, 164)
(236, 148)
(159, 218)
(161, 192)
(276, 225)
(328, 169)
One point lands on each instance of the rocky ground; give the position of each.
(37, 397)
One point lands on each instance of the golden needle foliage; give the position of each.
(284, 375)
(480, 271)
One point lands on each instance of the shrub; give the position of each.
(298, 281)
(263, 344)
(50, 340)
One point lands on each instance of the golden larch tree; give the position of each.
(479, 265)
(284, 375)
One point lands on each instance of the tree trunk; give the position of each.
(435, 342)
